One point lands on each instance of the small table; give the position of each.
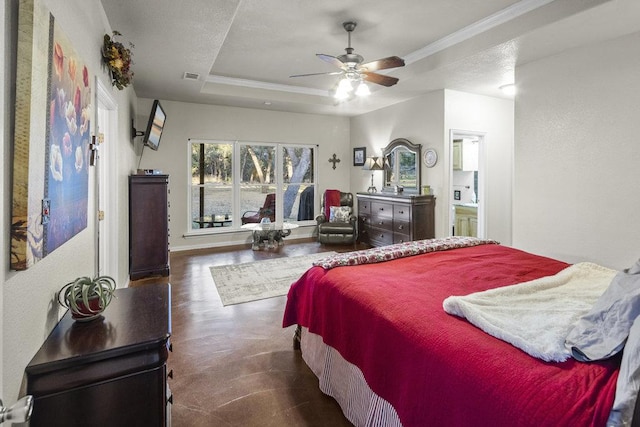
(271, 233)
(213, 220)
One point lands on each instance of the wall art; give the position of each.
(52, 136)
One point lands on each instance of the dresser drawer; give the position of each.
(402, 227)
(380, 237)
(401, 238)
(382, 222)
(402, 213)
(381, 210)
(364, 207)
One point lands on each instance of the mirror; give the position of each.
(402, 166)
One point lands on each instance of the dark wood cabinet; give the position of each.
(109, 371)
(148, 226)
(384, 219)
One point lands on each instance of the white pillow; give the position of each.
(339, 213)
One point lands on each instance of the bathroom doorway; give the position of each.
(467, 192)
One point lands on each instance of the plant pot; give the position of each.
(84, 313)
(86, 298)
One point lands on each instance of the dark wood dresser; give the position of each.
(148, 226)
(106, 372)
(384, 219)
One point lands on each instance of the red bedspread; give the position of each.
(437, 369)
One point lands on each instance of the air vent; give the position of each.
(191, 76)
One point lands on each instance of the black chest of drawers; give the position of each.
(384, 219)
(106, 372)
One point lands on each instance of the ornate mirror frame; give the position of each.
(402, 148)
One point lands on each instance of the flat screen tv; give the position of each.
(157, 118)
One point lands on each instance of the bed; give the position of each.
(377, 336)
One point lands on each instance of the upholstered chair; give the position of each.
(266, 211)
(336, 223)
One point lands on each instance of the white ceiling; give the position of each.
(245, 50)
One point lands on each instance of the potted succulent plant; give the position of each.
(87, 298)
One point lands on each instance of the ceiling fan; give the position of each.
(354, 71)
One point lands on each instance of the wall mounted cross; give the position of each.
(334, 160)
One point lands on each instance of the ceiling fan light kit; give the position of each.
(354, 73)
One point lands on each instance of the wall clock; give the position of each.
(430, 157)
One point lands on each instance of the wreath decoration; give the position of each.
(118, 60)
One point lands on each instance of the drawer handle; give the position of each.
(380, 223)
(401, 212)
(170, 374)
(381, 209)
(401, 227)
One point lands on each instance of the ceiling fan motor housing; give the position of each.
(351, 59)
(349, 25)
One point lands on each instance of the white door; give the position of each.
(106, 200)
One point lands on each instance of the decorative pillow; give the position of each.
(339, 213)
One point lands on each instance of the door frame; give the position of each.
(106, 236)
(482, 189)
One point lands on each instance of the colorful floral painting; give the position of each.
(67, 177)
(51, 140)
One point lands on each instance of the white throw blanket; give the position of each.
(535, 316)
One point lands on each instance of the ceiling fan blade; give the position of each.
(333, 73)
(383, 64)
(330, 59)
(380, 79)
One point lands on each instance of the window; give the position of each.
(234, 183)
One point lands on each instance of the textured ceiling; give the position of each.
(245, 50)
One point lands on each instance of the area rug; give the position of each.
(257, 280)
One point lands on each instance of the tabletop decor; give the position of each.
(86, 298)
(118, 60)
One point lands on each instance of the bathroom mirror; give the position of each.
(402, 166)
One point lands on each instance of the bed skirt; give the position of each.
(346, 384)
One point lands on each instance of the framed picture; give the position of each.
(359, 156)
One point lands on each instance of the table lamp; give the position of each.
(373, 164)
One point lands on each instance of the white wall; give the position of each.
(427, 120)
(196, 121)
(494, 117)
(29, 310)
(577, 154)
(419, 120)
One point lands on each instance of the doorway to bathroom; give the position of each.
(466, 183)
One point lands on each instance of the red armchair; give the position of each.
(266, 211)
